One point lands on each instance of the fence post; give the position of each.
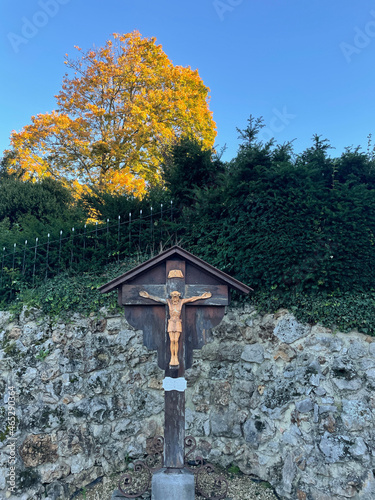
(47, 256)
(36, 247)
(118, 238)
(14, 257)
(2, 267)
(140, 230)
(60, 252)
(72, 249)
(24, 259)
(84, 242)
(161, 223)
(130, 232)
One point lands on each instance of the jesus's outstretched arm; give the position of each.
(205, 295)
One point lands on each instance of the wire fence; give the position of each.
(87, 247)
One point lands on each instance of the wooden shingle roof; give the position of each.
(174, 252)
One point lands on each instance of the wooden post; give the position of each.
(174, 411)
(174, 429)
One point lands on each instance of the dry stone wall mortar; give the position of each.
(292, 404)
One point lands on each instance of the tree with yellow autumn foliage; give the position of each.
(123, 106)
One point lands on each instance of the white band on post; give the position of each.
(174, 384)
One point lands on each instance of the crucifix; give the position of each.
(175, 305)
(176, 299)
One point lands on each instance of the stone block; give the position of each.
(358, 349)
(225, 424)
(332, 447)
(355, 415)
(253, 353)
(288, 329)
(304, 406)
(38, 449)
(173, 484)
(347, 385)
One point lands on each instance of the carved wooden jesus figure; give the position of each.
(175, 304)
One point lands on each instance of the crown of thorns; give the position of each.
(175, 294)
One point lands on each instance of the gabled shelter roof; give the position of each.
(175, 251)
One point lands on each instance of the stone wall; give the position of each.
(290, 403)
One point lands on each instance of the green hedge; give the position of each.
(298, 229)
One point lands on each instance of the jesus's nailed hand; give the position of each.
(206, 295)
(144, 294)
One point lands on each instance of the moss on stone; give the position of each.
(28, 478)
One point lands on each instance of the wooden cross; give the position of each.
(197, 317)
(146, 293)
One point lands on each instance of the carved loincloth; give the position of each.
(174, 325)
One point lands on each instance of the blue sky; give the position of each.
(306, 67)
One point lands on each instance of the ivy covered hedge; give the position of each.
(79, 292)
(339, 311)
(298, 228)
